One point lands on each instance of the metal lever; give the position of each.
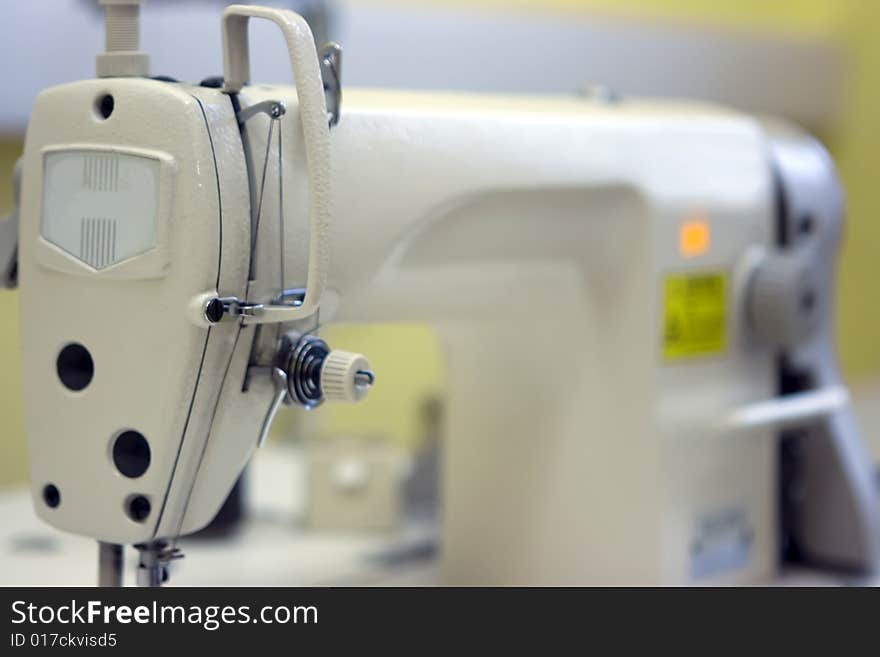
(789, 410)
(279, 379)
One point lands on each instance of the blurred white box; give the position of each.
(354, 484)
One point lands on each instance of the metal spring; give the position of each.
(304, 370)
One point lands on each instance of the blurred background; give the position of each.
(814, 62)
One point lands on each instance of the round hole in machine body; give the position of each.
(131, 454)
(51, 495)
(138, 507)
(75, 367)
(104, 106)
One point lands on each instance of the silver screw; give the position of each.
(364, 378)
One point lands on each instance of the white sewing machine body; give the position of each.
(535, 238)
(543, 239)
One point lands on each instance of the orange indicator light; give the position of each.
(693, 238)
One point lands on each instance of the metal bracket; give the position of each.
(331, 75)
(235, 307)
(274, 109)
(283, 308)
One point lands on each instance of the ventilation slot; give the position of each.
(97, 243)
(101, 173)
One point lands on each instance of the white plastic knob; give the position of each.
(345, 377)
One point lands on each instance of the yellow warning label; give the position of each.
(694, 315)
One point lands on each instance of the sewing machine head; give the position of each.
(147, 316)
(165, 225)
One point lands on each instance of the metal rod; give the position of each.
(110, 564)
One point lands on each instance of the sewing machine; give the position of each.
(633, 298)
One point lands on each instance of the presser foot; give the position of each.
(153, 560)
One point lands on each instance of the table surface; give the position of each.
(271, 548)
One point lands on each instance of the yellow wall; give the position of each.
(408, 366)
(856, 146)
(12, 462)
